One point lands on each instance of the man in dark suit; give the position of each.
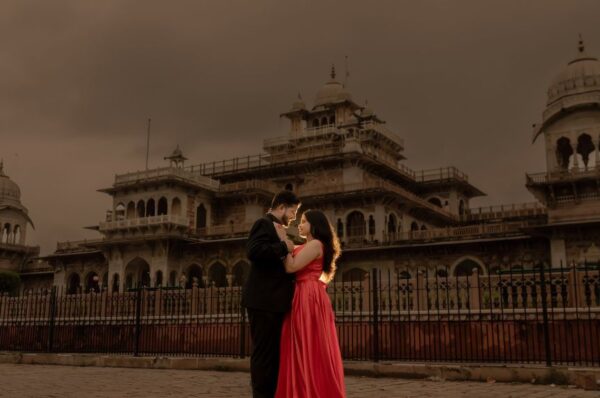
(268, 292)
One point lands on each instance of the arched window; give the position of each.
(115, 283)
(564, 151)
(120, 211)
(240, 273)
(315, 123)
(332, 119)
(585, 146)
(17, 235)
(391, 225)
(150, 208)
(176, 206)
(423, 227)
(435, 201)
(461, 207)
(340, 228)
(217, 275)
(91, 282)
(193, 277)
(74, 284)
(201, 216)
(104, 281)
(466, 267)
(414, 226)
(173, 278)
(6, 233)
(159, 279)
(141, 209)
(129, 281)
(355, 225)
(138, 273)
(130, 210)
(162, 206)
(371, 226)
(324, 121)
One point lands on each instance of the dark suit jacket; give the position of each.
(268, 287)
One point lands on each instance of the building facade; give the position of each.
(183, 225)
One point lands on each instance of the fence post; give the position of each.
(375, 298)
(474, 290)
(242, 332)
(422, 296)
(52, 318)
(545, 317)
(138, 324)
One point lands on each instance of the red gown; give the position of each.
(310, 360)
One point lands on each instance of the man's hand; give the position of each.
(290, 245)
(280, 231)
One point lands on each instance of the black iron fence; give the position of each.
(541, 315)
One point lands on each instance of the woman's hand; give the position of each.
(281, 232)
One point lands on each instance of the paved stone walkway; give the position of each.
(28, 381)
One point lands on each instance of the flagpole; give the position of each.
(148, 143)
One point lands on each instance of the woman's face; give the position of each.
(303, 227)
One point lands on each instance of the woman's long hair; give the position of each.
(321, 229)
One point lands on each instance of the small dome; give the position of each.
(10, 194)
(332, 92)
(177, 153)
(366, 111)
(581, 75)
(299, 104)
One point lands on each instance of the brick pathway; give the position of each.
(28, 381)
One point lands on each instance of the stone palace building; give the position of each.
(187, 225)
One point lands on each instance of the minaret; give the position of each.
(571, 129)
(14, 220)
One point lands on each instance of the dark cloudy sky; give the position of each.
(461, 81)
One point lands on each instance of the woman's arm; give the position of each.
(310, 251)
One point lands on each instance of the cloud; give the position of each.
(461, 82)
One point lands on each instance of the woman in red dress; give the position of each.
(310, 360)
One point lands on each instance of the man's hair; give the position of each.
(286, 198)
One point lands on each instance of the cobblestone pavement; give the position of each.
(39, 381)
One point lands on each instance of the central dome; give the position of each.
(332, 92)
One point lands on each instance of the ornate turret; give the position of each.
(571, 128)
(176, 159)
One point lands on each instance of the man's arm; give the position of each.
(260, 248)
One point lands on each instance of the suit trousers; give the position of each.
(265, 331)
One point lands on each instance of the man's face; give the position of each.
(289, 214)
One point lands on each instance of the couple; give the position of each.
(295, 346)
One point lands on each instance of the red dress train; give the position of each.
(310, 360)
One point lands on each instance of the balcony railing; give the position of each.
(383, 130)
(441, 174)
(75, 244)
(563, 175)
(326, 189)
(224, 230)
(263, 185)
(144, 222)
(165, 172)
(230, 165)
(514, 210)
